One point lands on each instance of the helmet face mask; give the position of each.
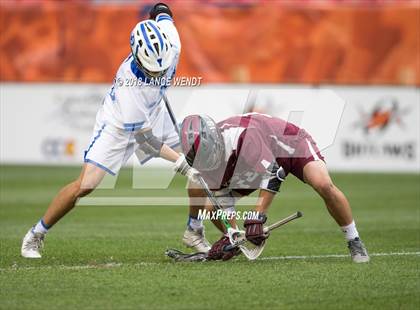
(202, 142)
(150, 74)
(151, 49)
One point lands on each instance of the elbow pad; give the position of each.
(274, 177)
(148, 143)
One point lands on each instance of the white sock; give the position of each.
(41, 227)
(194, 223)
(350, 231)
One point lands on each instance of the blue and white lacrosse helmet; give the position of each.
(151, 48)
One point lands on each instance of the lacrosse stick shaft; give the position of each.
(171, 115)
(284, 221)
(214, 202)
(203, 183)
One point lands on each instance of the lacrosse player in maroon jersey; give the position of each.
(256, 151)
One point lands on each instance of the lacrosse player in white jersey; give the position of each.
(132, 119)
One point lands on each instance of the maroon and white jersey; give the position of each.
(260, 151)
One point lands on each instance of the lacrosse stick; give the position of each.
(252, 251)
(179, 256)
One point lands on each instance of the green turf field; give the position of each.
(112, 257)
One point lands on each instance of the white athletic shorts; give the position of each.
(110, 147)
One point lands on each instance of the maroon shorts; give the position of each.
(307, 151)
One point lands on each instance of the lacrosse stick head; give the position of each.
(179, 256)
(236, 236)
(250, 250)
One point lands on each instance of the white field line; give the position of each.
(338, 256)
(79, 267)
(144, 264)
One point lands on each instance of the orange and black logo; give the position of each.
(386, 112)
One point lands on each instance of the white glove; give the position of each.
(185, 169)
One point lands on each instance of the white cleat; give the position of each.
(195, 239)
(358, 251)
(32, 244)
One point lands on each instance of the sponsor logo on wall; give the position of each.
(71, 112)
(381, 132)
(58, 148)
(77, 111)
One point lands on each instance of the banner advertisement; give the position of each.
(356, 128)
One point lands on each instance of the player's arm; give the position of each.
(254, 228)
(152, 146)
(136, 121)
(265, 199)
(269, 187)
(162, 14)
(260, 157)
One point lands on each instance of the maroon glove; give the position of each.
(216, 252)
(255, 230)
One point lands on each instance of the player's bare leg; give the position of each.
(63, 202)
(194, 234)
(315, 173)
(197, 197)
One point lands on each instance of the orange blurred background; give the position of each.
(353, 42)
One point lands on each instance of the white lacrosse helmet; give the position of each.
(151, 48)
